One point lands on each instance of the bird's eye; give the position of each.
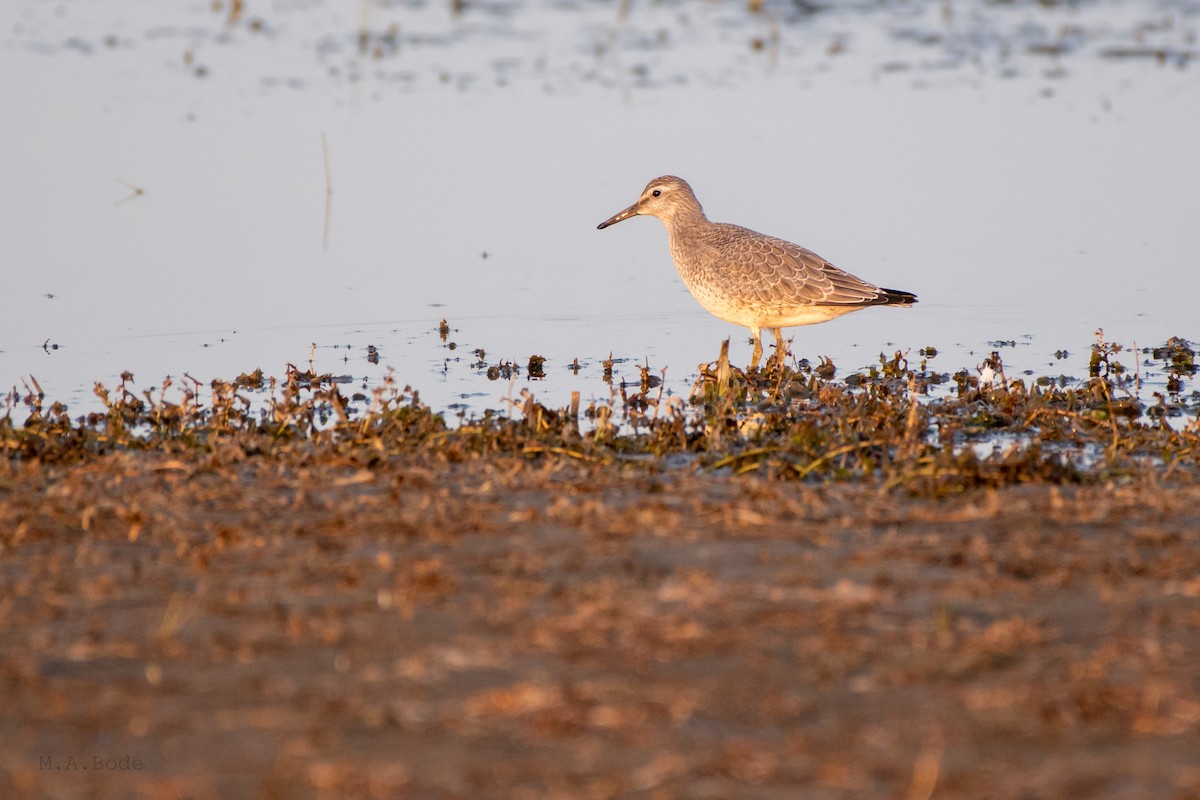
(656, 192)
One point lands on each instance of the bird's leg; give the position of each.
(780, 347)
(757, 354)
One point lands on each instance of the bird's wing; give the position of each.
(787, 274)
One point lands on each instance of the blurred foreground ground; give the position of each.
(516, 626)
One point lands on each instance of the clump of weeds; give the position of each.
(889, 423)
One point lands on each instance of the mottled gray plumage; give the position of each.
(750, 279)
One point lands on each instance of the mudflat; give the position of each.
(540, 626)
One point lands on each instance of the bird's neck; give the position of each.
(686, 220)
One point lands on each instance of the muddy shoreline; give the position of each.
(534, 626)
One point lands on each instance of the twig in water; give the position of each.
(328, 193)
(137, 192)
(325, 153)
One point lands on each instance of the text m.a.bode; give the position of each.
(122, 764)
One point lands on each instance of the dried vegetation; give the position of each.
(896, 426)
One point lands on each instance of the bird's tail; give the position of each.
(897, 297)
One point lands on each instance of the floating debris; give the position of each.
(250, 380)
(536, 367)
(1178, 355)
(505, 369)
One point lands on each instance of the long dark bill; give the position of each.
(614, 219)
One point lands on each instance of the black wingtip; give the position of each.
(899, 297)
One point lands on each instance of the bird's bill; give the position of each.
(632, 211)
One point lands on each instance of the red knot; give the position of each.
(750, 279)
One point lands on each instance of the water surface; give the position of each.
(1029, 172)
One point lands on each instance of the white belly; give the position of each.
(755, 315)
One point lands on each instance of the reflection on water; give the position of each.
(1028, 170)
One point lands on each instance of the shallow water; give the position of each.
(1029, 172)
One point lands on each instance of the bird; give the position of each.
(748, 278)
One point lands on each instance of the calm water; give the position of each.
(1031, 173)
